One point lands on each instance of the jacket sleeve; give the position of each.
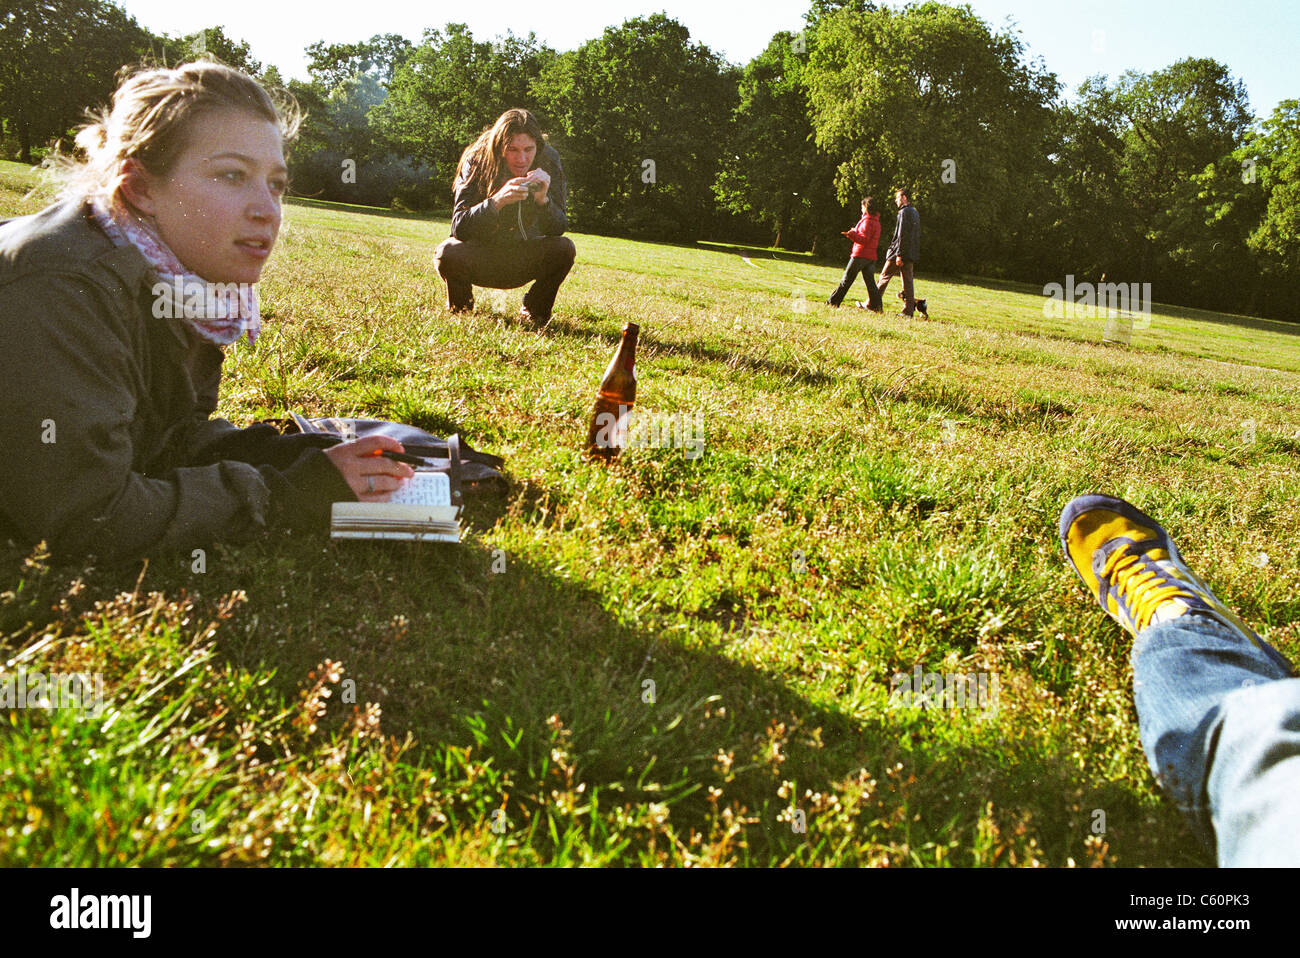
(872, 240)
(910, 245)
(552, 219)
(74, 385)
(894, 246)
(473, 217)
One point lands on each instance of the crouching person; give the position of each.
(508, 218)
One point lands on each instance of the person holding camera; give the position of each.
(508, 218)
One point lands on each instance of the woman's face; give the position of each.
(218, 209)
(520, 152)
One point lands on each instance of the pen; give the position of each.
(399, 457)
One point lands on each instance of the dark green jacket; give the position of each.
(475, 220)
(105, 411)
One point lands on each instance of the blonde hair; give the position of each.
(482, 160)
(153, 108)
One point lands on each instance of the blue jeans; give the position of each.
(867, 267)
(1220, 725)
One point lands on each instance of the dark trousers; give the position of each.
(544, 262)
(865, 267)
(891, 270)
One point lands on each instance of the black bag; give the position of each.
(470, 470)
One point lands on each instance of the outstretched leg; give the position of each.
(851, 272)
(1218, 707)
(889, 272)
(874, 300)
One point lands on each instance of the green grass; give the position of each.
(875, 494)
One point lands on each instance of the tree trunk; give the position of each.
(24, 143)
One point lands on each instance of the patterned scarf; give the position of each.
(218, 312)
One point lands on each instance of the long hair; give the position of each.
(151, 114)
(482, 160)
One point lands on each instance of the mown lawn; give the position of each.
(684, 660)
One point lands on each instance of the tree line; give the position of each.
(1163, 177)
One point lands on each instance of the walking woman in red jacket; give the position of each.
(866, 238)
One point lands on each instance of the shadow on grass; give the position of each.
(428, 216)
(1189, 313)
(444, 643)
(695, 349)
(763, 253)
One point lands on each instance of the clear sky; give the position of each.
(1259, 40)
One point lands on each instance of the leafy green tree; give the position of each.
(57, 58)
(1088, 194)
(379, 57)
(930, 97)
(1173, 123)
(1250, 212)
(1277, 171)
(342, 157)
(641, 115)
(212, 43)
(772, 171)
(450, 87)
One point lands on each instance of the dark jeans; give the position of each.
(545, 262)
(1219, 718)
(867, 267)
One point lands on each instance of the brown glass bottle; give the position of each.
(615, 400)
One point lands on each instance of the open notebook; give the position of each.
(428, 506)
(421, 510)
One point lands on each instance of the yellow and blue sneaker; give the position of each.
(1132, 567)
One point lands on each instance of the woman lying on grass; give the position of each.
(105, 415)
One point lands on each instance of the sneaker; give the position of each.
(1132, 567)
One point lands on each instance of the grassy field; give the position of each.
(684, 661)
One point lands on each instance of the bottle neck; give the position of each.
(626, 357)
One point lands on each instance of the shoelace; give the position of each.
(1141, 584)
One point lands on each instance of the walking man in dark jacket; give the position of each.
(904, 251)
